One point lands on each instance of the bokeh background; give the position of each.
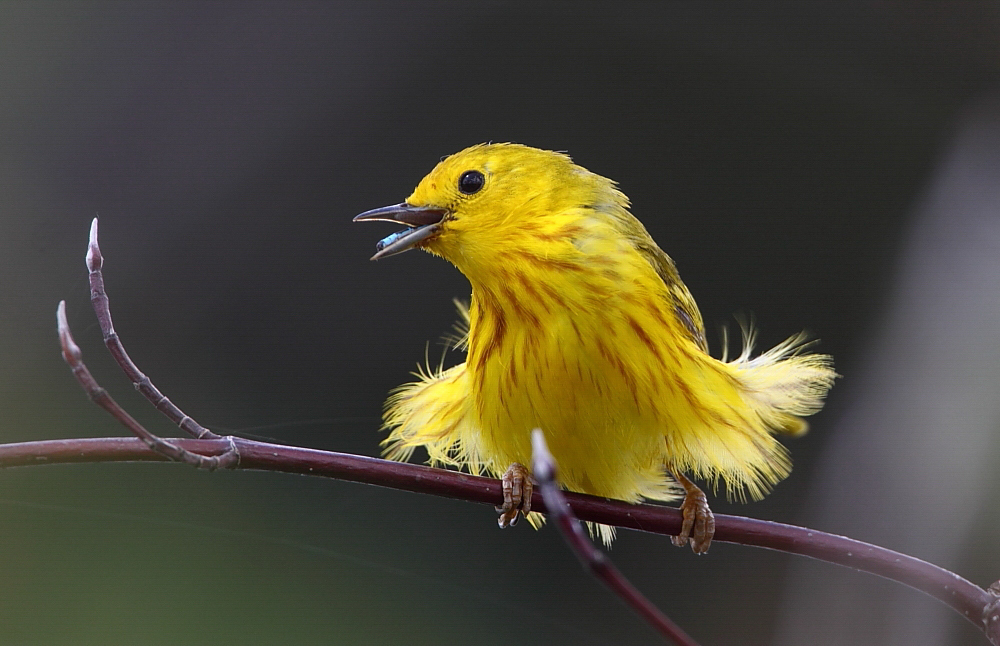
(828, 166)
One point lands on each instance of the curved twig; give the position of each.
(73, 357)
(543, 466)
(99, 299)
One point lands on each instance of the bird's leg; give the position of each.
(698, 527)
(517, 488)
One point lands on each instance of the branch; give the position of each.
(972, 602)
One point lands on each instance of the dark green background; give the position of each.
(774, 149)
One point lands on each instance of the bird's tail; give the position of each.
(784, 384)
(745, 402)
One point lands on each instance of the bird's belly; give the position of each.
(598, 413)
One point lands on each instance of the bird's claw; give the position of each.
(517, 489)
(698, 526)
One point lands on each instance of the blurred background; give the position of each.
(830, 166)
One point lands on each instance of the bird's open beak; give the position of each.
(423, 223)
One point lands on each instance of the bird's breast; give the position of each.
(587, 358)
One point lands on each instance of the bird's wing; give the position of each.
(434, 412)
(684, 306)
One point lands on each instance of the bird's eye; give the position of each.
(471, 181)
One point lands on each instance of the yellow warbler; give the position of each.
(579, 325)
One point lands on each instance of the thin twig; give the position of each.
(543, 467)
(71, 353)
(99, 299)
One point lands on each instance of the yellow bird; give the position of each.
(579, 325)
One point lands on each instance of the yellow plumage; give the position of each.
(580, 325)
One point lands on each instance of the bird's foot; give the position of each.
(517, 488)
(698, 526)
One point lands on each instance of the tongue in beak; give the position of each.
(423, 223)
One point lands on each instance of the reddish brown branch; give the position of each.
(966, 598)
(543, 466)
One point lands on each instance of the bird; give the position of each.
(579, 324)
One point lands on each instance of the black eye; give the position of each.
(471, 181)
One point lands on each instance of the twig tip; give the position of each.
(94, 260)
(70, 350)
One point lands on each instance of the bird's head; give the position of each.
(490, 198)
